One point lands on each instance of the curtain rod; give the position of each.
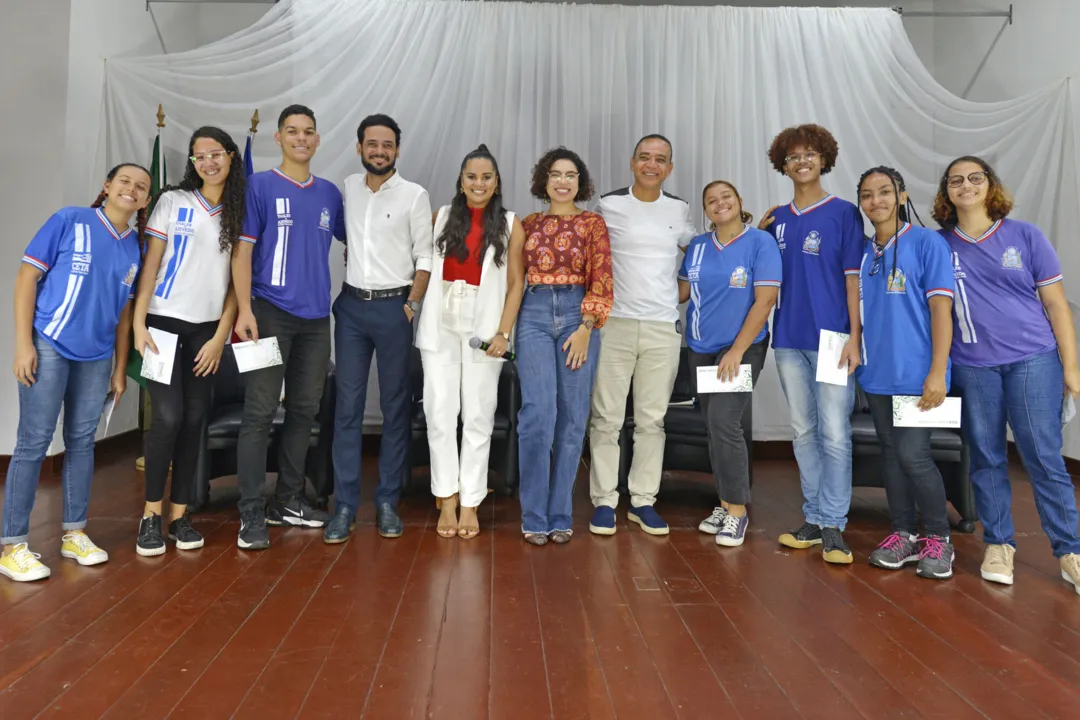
(957, 13)
(212, 2)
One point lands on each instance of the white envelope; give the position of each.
(257, 354)
(830, 348)
(707, 382)
(1068, 409)
(158, 366)
(107, 412)
(906, 413)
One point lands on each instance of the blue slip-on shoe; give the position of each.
(388, 521)
(648, 519)
(603, 521)
(340, 526)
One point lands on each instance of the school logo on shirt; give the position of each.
(129, 279)
(957, 271)
(780, 237)
(897, 282)
(812, 244)
(324, 219)
(80, 258)
(284, 214)
(738, 277)
(1011, 259)
(184, 225)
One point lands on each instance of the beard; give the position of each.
(374, 170)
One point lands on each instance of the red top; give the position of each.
(469, 270)
(571, 250)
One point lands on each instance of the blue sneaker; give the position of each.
(732, 531)
(646, 517)
(603, 521)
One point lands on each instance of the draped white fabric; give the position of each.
(719, 81)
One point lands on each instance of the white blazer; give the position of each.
(490, 296)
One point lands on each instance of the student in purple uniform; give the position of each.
(731, 276)
(906, 291)
(72, 317)
(1014, 359)
(281, 274)
(821, 242)
(185, 290)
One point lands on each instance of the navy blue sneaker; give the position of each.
(340, 526)
(648, 519)
(603, 521)
(388, 521)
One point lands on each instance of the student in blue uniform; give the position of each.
(72, 317)
(732, 278)
(906, 291)
(821, 242)
(281, 274)
(185, 290)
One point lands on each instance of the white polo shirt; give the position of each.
(647, 239)
(389, 232)
(194, 274)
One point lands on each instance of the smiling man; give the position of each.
(281, 273)
(640, 340)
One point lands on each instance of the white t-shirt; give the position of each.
(194, 273)
(647, 239)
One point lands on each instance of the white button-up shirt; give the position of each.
(389, 232)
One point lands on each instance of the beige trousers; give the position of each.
(646, 352)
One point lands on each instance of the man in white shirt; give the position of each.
(388, 263)
(649, 229)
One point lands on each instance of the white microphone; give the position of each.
(478, 344)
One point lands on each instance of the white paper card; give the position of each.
(106, 415)
(906, 413)
(257, 354)
(1068, 409)
(158, 366)
(830, 348)
(707, 382)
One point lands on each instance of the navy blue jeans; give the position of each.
(362, 329)
(1027, 395)
(554, 405)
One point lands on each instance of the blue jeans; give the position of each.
(821, 418)
(80, 387)
(362, 329)
(554, 405)
(1027, 395)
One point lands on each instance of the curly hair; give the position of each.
(812, 137)
(451, 241)
(999, 201)
(743, 214)
(543, 167)
(232, 197)
(140, 217)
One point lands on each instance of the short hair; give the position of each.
(295, 110)
(653, 136)
(745, 216)
(814, 137)
(378, 120)
(543, 167)
(999, 202)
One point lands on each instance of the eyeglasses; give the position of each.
(569, 177)
(802, 157)
(210, 156)
(976, 178)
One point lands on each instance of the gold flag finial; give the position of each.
(255, 123)
(160, 116)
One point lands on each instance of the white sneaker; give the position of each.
(714, 522)
(1070, 570)
(80, 548)
(22, 565)
(997, 564)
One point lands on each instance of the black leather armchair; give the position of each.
(504, 438)
(949, 451)
(217, 450)
(687, 446)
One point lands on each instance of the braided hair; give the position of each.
(140, 217)
(903, 212)
(451, 241)
(232, 196)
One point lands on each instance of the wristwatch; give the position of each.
(413, 305)
(504, 335)
(588, 324)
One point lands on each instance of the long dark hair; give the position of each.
(903, 212)
(141, 216)
(451, 241)
(232, 196)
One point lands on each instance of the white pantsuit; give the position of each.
(459, 380)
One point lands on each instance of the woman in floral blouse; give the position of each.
(567, 298)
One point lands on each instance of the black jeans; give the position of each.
(305, 354)
(177, 413)
(723, 415)
(913, 484)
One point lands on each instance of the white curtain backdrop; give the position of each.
(719, 81)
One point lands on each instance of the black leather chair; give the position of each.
(504, 439)
(687, 446)
(217, 451)
(949, 451)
